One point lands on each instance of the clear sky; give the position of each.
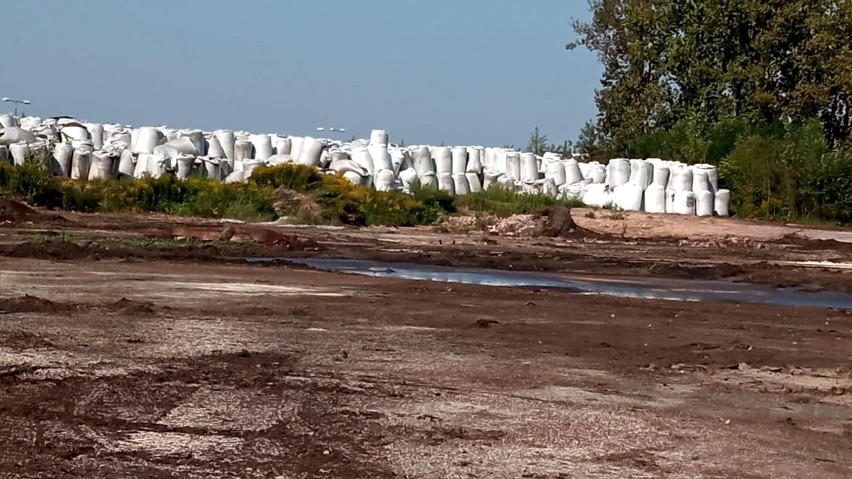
(455, 71)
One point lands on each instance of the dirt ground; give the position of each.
(124, 353)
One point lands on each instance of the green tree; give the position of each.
(537, 143)
(708, 60)
(587, 142)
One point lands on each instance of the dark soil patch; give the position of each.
(34, 304)
(131, 307)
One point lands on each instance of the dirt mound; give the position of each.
(129, 306)
(553, 221)
(17, 212)
(33, 304)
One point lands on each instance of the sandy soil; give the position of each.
(126, 356)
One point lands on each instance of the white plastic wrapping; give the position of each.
(459, 158)
(513, 165)
(446, 183)
(684, 203)
(655, 199)
(228, 142)
(473, 182)
(423, 163)
(618, 172)
(126, 167)
(529, 167)
(310, 152)
(573, 173)
(262, 146)
(383, 180)
(460, 184)
(704, 203)
(722, 203)
(19, 152)
(443, 160)
(628, 197)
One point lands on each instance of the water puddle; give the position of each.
(621, 286)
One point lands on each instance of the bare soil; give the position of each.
(124, 353)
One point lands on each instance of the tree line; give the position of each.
(760, 88)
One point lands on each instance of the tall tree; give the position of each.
(761, 60)
(537, 143)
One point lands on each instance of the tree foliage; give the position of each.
(666, 61)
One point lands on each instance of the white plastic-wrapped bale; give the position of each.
(474, 161)
(491, 178)
(473, 182)
(597, 173)
(459, 156)
(249, 166)
(185, 164)
(618, 172)
(295, 146)
(183, 145)
(398, 159)
(279, 159)
(126, 166)
(443, 160)
(282, 146)
(655, 198)
(573, 173)
(641, 173)
(19, 152)
(700, 181)
(704, 203)
(214, 148)
(446, 183)
(381, 156)
(81, 162)
(722, 203)
(505, 182)
(661, 175)
(429, 180)
(157, 165)
(355, 178)
(212, 168)
(529, 167)
(147, 138)
(711, 172)
(8, 121)
(243, 150)
(383, 180)
(96, 133)
(628, 197)
(422, 159)
(530, 187)
(554, 169)
(16, 134)
(549, 188)
(311, 151)
(228, 142)
(262, 146)
(670, 201)
(597, 195)
(460, 184)
(361, 155)
(141, 168)
(197, 139)
(573, 192)
(235, 176)
(101, 165)
(680, 179)
(501, 162)
(409, 178)
(379, 137)
(684, 203)
(513, 165)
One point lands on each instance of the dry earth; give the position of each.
(123, 355)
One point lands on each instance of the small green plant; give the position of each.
(51, 238)
(590, 215)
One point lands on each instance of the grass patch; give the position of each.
(48, 238)
(505, 202)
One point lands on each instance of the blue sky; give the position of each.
(453, 71)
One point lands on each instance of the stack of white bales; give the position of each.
(99, 151)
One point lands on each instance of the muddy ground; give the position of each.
(124, 353)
